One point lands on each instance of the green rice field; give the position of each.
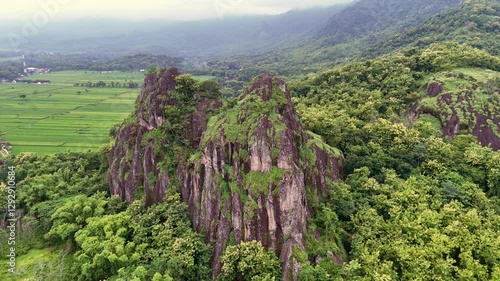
(71, 77)
(60, 117)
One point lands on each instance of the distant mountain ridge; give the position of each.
(475, 22)
(215, 37)
(358, 33)
(368, 16)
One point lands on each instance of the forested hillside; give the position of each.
(224, 35)
(368, 17)
(391, 25)
(474, 22)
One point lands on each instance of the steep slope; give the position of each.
(371, 28)
(247, 173)
(369, 16)
(475, 22)
(258, 166)
(356, 94)
(131, 160)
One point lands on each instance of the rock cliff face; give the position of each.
(134, 161)
(252, 172)
(255, 172)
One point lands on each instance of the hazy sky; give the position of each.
(20, 10)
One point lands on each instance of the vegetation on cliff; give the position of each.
(244, 172)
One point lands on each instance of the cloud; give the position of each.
(153, 9)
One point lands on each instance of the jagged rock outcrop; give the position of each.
(131, 161)
(139, 148)
(252, 172)
(256, 168)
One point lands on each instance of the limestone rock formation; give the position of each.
(140, 147)
(252, 172)
(257, 166)
(131, 161)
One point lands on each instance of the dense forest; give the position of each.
(377, 164)
(10, 69)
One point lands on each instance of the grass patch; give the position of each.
(29, 264)
(481, 75)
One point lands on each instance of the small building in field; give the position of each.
(34, 70)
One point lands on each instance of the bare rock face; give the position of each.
(133, 162)
(139, 150)
(252, 172)
(434, 90)
(125, 170)
(257, 167)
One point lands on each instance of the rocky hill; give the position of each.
(251, 172)
(465, 101)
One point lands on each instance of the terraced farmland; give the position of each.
(60, 117)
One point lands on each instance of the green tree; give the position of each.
(249, 261)
(210, 89)
(73, 215)
(170, 244)
(408, 233)
(105, 247)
